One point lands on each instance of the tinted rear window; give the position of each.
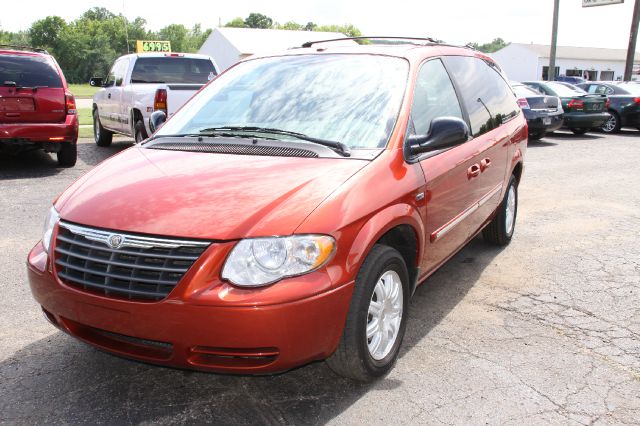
(172, 70)
(29, 71)
(565, 90)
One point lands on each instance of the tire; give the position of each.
(102, 136)
(357, 357)
(613, 124)
(500, 230)
(579, 130)
(68, 154)
(140, 133)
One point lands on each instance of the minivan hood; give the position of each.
(202, 195)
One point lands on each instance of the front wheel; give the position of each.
(377, 317)
(612, 125)
(101, 135)
(500, 230)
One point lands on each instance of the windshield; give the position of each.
(352, 99)
(170, 69)
(29, 71)
(565, 89)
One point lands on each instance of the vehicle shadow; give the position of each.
(28, 164)
(83, 385)
(593, 135)
(540, 143)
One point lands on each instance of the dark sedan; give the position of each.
(582, 111)
(624, 103)
(543, 113)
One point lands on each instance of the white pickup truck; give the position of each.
(139, 84)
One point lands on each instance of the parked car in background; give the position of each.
(570, 79)
(543, 113)
(139, 84)
(624, 104)
(37, 111)
(288, 211)
(582, 111)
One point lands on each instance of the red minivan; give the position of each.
(288, 211)
(37, 111)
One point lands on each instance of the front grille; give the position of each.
(122, 265)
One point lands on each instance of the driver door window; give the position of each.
(434, 97)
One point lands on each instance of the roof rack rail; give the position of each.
(28, 48)
(428, 39)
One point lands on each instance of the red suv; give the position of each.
(37, 111)
(288, 211)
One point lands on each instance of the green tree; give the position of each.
(236, 23)
(258, 20)
(347, 29)
(177, 34)
(46, 32)
(310, 26)
(490, 47)
(291, 26)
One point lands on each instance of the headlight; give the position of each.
(261, 261)
(49, 223)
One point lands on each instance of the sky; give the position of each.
(454, 21)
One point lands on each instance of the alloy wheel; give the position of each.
(384, 315)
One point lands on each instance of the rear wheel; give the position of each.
(612, 125)
(579, 130)
(68, 154)
(500, 230)
(101, 135)
(140, 131)
(377, 317)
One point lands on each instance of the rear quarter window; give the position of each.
(172, 70)
(486, 95)
(29, 71)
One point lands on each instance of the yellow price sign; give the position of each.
(145, 46)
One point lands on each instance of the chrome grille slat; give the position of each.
(141, 271)
(123, 264)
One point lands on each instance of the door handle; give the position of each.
(473, 171)
(485, 164)
(109, 96)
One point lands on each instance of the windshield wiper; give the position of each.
(338, 147)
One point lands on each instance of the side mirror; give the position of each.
(156, 120)
(95, 82)
(445, 132)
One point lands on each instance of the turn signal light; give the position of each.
(607, 104)
(160, 100)
(70, 103)
(523, 103)
(574, 103)
(636, 100)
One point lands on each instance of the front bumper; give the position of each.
(66, 131)
(188, 333)
(585, 120)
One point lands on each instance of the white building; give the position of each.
(522, 62)
(229, 45)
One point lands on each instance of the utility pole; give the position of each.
(551, 74)
(633, 36)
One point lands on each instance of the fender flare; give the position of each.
(378, 225)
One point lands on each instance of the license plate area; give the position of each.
(546, 120)
(16, 105)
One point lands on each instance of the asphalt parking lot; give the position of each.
(545, 331)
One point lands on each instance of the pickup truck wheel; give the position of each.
(102, 136)
(68, 154)
(377, 317)
(140, 131)
(500, 230)
(612, 125)
(579, 130)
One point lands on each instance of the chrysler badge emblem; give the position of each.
(115, 241)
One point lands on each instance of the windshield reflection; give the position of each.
(353, 99)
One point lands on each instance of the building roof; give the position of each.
(254, 40)
(572, 52)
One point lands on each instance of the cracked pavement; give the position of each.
(545, 331)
